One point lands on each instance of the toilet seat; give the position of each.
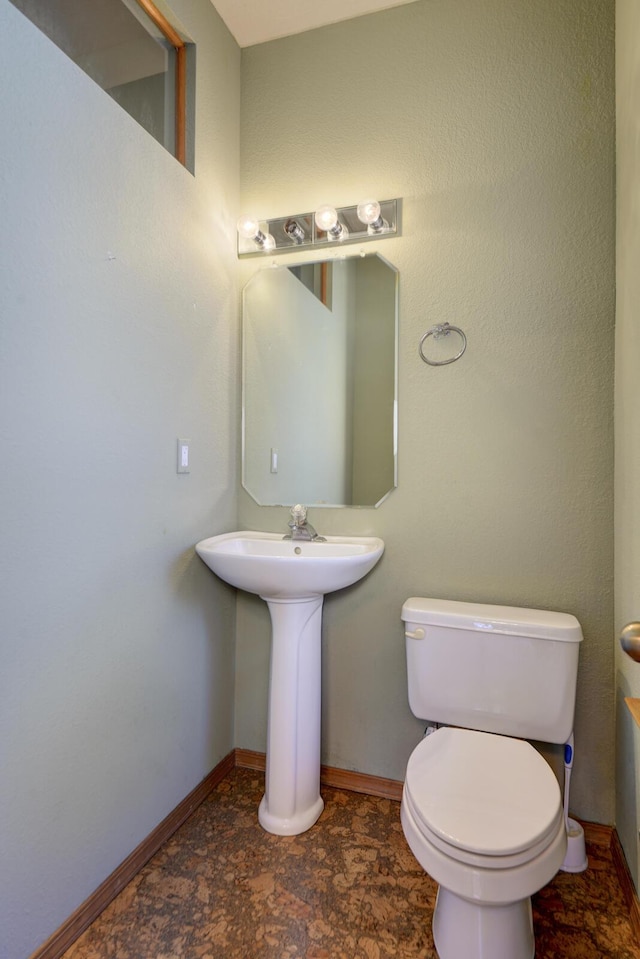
(485, 800)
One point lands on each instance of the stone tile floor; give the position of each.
(349, 888)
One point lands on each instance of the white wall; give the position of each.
(627, 526)
(118, 333)
(494, 121)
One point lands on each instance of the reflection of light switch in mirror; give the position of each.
(183, 456)
(274, 460)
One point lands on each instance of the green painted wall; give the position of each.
(495, 122)
(118, 333)
(627, 491)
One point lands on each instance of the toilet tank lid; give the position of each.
(513, 620)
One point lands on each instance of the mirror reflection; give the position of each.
(319, 383)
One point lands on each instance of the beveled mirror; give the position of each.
(319, 383)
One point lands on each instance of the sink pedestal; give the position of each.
(292, 576)
(292, 802)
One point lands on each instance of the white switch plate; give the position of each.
(183, 456)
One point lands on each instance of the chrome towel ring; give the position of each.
(437, 332)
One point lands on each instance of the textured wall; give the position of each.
(118, 334)
(627, 525)
(494, 121)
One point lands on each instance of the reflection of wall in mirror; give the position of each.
(374, 382)
(297, 387)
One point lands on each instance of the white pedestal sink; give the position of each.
(292, 576)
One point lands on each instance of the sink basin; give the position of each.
(292, 576)
(273, 567)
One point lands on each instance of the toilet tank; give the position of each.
(500, 669)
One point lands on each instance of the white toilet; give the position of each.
(481, 808)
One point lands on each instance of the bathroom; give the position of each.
(129, 671)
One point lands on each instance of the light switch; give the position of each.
(183, 456)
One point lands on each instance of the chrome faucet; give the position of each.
(299, 527)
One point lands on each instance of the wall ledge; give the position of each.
(633, 705)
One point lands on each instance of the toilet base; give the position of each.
(465, 930)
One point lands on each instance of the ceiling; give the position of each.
(254, 21)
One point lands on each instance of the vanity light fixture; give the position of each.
(328, 226)
(249, 229)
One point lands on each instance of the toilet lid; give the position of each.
(487, 794)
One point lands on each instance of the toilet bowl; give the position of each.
(481, 809)
(483, 816)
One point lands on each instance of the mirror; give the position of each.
(319, 384)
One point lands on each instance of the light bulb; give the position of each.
(248, 226)
(327, 222)
(326, 218)
(294, 231)
(368, 211)
(268, 243)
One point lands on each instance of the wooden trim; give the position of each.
(249, 759)
(361, 783)
(161, 23)
(607, 837)
(176, 41)
(626, 883)
(598, 835)
(633, 705)
(57, 944)
(334, 777)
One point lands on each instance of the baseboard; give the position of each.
(361, 783)
(598, 835)
(626, 883)
(250, 759)
(334, 777)
(64, 937)
(607, 837)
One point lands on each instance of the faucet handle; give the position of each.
(299, 514)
